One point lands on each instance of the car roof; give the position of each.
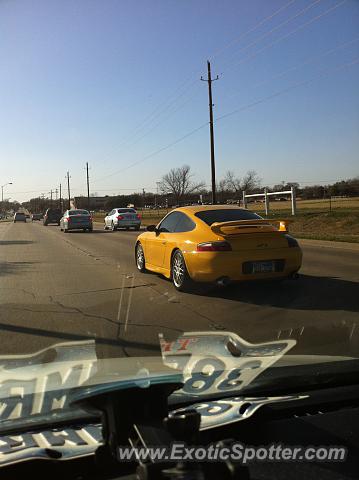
(202, 208)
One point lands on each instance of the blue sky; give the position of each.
(112, 82)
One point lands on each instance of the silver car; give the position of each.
(122, 218)
(76, 220)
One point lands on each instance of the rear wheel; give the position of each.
(137, 228)
(180, 277)
(140, 258)
(113, 228)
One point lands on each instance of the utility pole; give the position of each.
(209, 80)
(51, 197)
(88, 186)
(68, 188)
(60, 202)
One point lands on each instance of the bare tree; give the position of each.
(178, 183)
(236, 185)
(250, 181)
(232, 182)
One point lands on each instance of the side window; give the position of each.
(185, 224)
(168, 225)
(112, 212)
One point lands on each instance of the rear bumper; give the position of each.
(210, 266)
(78, 226)
(129, 223)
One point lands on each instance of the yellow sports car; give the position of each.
(217, 243)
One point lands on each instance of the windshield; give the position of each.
(192, 170)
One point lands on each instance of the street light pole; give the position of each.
(2, 193)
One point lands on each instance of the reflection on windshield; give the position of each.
(209, 363)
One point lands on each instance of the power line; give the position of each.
(162, 106)
(296, 67)
(259, 24)
(285, 22)
(192, 132)
(222, 117)
(285, 90)
(135, 142)
(309, 22)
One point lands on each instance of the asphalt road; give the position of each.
(57, 288)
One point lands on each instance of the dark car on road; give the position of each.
(36, 216)
(76, 220)
(52, 215)
(19, 217)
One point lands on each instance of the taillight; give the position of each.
(68, 218)
(214, 247)
(120, 217)
(138, 216)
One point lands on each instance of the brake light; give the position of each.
(282, 227)
(68, 218)
(214, 247)
(120, 217)
(138, 216)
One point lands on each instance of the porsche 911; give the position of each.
(218, 244)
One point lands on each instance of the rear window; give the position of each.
(55, 211)
(226, 215)
(126, 210)
(78, 212)
(20, 214)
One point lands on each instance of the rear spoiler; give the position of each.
(236, 225)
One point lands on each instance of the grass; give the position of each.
(340, 225)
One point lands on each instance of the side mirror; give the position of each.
(151, 228)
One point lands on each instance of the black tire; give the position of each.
(140, 258)
(137, 229)
(65, 230)
(90, 230)
(113, 228)
(179, 274)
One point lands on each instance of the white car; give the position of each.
(122, 218)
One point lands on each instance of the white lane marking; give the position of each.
(129, 302)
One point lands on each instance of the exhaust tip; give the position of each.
(223, 281)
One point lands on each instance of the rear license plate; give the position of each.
(263, 267)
